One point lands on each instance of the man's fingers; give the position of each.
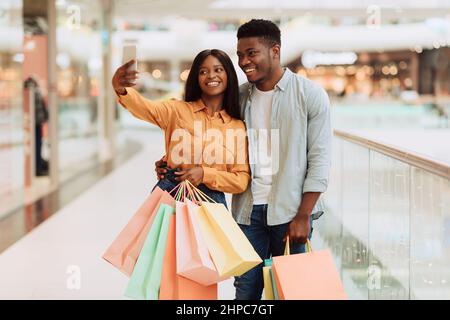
(179, 173)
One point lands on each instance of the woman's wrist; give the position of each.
(121, 91)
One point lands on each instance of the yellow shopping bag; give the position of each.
(229, 248)
(270, 288)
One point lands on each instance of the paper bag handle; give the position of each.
(287, 248)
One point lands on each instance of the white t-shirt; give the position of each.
(261, 118)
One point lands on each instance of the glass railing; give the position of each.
(387, 221)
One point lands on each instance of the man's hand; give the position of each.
(124, 78)
(159, 168)
(194, 175)
(298, 229)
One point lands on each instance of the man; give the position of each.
(279, 202)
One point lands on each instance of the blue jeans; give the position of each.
(267, 241)
(217, 196)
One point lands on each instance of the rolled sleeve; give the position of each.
(318, 143)
(159, 113)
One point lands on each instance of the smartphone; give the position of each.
(129, 53)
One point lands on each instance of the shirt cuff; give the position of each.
(314, 185)
(125, 97)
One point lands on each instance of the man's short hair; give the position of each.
(260, 28)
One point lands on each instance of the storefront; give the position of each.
(361, 75)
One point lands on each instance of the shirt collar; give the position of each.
(199, 106)
(282, 83)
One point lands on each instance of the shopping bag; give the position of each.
(307, 276)
(270, 289)
(174, 286)
(193, 259)
(136, 247)
(125, 249)
(146, 277)
(117, 252)
(229, 248)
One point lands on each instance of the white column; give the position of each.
(52, 95)
(106, 106)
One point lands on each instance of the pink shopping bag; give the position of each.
(193, 259)
(125, 249)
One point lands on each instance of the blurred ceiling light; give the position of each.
(368, 70)
(418, 49)
(63, 60)
(340, 71)
(408, 82)
(156, 73)
(436, 45)
(361, 74)
(18, 57)
(351, 70)
(311, 59)
(403, 65)
(184, 75)
(385, 70)
(393, 70)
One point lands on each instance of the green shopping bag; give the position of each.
(146, 277)
(270, 287)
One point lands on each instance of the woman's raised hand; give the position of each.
(123, 78)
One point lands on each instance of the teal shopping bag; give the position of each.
(146, 277)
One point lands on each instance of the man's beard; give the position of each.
(264, 77)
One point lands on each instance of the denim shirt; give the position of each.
(301, 116)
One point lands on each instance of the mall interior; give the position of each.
(72, 176)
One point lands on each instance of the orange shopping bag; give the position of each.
(125, 249)
(307, 276)
(174, 286)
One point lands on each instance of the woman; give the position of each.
(204, 136)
